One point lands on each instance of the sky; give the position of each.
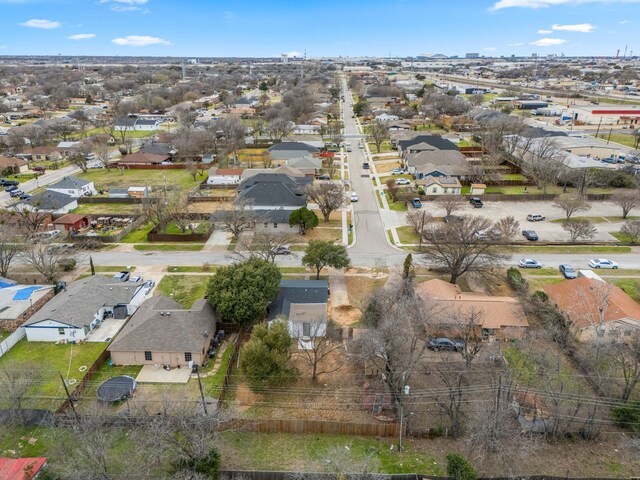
(268, 28)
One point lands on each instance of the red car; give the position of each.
(39, 169)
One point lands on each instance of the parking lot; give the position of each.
(547, 230)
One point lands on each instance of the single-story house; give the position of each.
(440, 185)
(306, 129)
(245, 102)
(292, 172)
(385, 117)
(310, 166)
(142, 158)
(134, 123)
(438, 163)
(19, 302)
(71, 222)
(82, 306)
(44, 153)
(66, 148)
(159, 148)
(498, 317)
(594, 306)
(49, 201)
(13, 165)
(423, 142)
(303, 304)
(224, 176)
(162, 332)
(21, 468)
(73, 186)
(287, 150)
(273, 191)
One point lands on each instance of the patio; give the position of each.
(157, 374)
(106, 330)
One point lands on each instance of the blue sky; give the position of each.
(196, 28)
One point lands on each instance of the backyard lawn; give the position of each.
(407, 234)
(621, 138)
(47, 359)
(184, 289)
(157, 179)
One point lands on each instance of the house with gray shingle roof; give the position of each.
(82, 306)
(73, 186)
(49, 201)
(162, 332)
(287, 150)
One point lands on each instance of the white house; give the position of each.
(224, 176)
(73, 186)
(82, 306)
(134, 123)
(440, 185)
(385, 117)
(49, 201)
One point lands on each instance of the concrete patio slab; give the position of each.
(157, 374)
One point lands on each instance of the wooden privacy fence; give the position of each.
(233, 360)
(91, 371)
(303, 426)
(123, 201)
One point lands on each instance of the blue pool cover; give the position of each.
(25, 293)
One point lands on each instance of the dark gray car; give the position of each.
(444, 343)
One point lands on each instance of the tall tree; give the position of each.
(328, 196)
(579, 228)
(265, 356)
(571, 203)
(627, 200)
(324, 340)
(11, 244)
(320, 254)
(377, 132)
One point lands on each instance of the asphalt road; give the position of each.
(371, 238)
(51, 176)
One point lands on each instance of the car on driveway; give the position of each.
(11, 188)
(398, 171)
(324, 176)
(122, 276)
(535, 217)
(25, 196)
(416, 203)
(603, 263)
(530, 235)
(281, 250)
(529, 263)
(567, 271)
(476, 202)
(353, 197)
(443, 343)
(402, 181)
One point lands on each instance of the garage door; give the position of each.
(120, 312)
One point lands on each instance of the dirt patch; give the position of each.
(345, 314)
(359, 289)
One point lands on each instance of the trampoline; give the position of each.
(116, 388)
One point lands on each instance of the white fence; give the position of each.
(8, 343)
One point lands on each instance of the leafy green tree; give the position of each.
(320, 254)
(264, 358)
(360, 107)
(241, 292)
(459, 468)
(304, 218)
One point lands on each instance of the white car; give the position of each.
(529, 263)
(602, 263)
(397, 171)
(402, 181)
(354, 197)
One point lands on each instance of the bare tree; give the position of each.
(79, 159)
(279, 128)
(17, 384)
(543, 162)
(328, 196)
(451, 203)
(265, 245)
(102, 151)
(11, 244)
(631, 228)
(377, 132)
(418, 219)
(44, 260)
(240, 218)
(476, 99)
(234, 133)
(31, 220)
(570, 204)
(506, 228)
(449, 399)
(471, 322)
(462, 246)
(625, 356)
(323, 340)
(579, 228)
(592, 302)
(627, 200)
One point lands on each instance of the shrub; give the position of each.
(539, 295)
(206, 266)
(459, 468)
(67, 264)
(207, 465)
(515, 280)
(627, 416)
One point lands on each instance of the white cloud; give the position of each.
(40, 23)
(544, 32)
(293, 54)
(578, 27)
(625, 21)
(500, 4)
(126, 5)
(517, 44)
(548, 42)
(490, 49)
(81, 36)
(140, 41)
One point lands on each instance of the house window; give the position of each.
(61, 331)
(275, 225)
(147, 356)
(446, 190)
(306, 329)
(266, 224)
(187, 356)
(435, 190)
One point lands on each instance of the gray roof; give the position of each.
(434, 140)
(273, 194)
(298, 292)
(158, 149)
(281, 178)
(50, 200)
(289, 146)
(69, 183)
(78, 305)
(271, 216)
(162, 325)
(143, 121)
(437, 157)
(125, 122)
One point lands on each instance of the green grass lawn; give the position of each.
(536, 283)
(631, 286)
(540, 271)
(213, 384)
(105, 179)
(407, 234)
(386, 178)
(384, 147)
(47, 359)
(513, 176)
(172, 228)
(570, 249)
(112, 268)
(596, 219)
(4, 334)
(621, 138)
(170, 247)
(138, 235)
(532, 190)
(184, 289)
(398, 206)
(190, 269)
(106, 209)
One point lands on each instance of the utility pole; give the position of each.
(598, 130)
(204, 403)
(404, 391)
(73, 407)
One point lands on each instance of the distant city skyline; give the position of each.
(375, 28)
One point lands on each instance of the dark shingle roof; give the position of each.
(78, 305)
(289, 146)
(162, 325)
(281, 178)
(273, 194)
(435, 140)
(158, 149)
(298, 291)
(50, 200)
(69, 183)
(125, 122)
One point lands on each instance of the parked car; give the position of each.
(25, 196)
(353, 197)
(360, 145)
(529, 263)
(398, 171)
(530, 235)
(444, 343)
(136, 279)
(122, 276)
(281, 250)
(349, 149)
(567, 271)
(365, 165)
(535, 217)
(16, 193)
(476, 202)
(416, 203)
(603, 263)
(96, 165)
(11, 188)
(402, 181)
(324, 176)
(39, 169)
(8, 183)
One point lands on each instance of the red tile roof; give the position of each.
(17, 468)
